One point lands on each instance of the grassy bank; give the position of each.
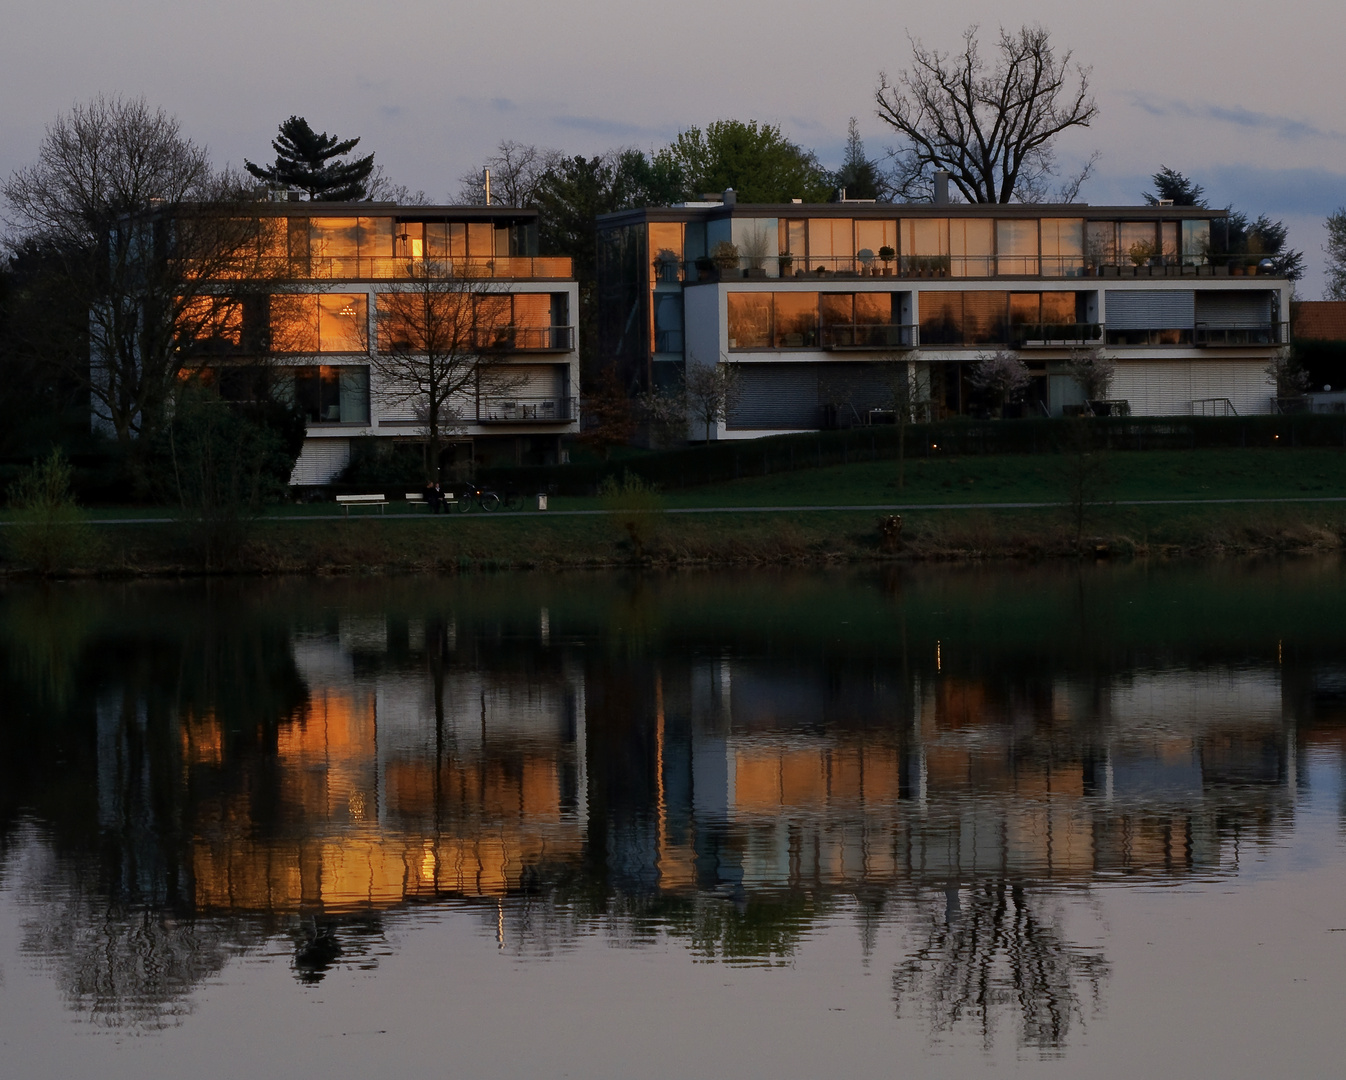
(953, 509)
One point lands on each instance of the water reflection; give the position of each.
(194, 773)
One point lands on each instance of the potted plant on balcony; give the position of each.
(886, 256)
(725, 257)
(1141, 252)
(865, 257)
(666, 266)
(786, 263)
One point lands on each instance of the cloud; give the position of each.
(1284, 127)
(495, 104)
(613, 129)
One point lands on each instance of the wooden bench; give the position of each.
(417, 498)
(347, 501)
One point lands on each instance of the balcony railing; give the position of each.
(525, 410)
(527, 339)
(1056, 335)
(796, 267)
(393, 268)
(870, 336)
(668, 341)
(1215, 336)
(1181, 335)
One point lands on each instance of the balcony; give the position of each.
(1181, 335)
(1056, 335)
(525, 410)
(1212, 336)
(861, 336)
(392, 268)
(526, 339)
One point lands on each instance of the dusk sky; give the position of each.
(1245, 98)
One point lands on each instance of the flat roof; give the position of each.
(887, 211)
(398, 211)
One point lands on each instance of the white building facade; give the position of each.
(816, 303)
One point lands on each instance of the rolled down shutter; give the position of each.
(1242, 309)
(320, 461)
(776, 397)
(1150, 309)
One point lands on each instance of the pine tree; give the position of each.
(310, 162)
(1171, 184)
(858, 176)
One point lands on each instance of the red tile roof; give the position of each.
(1320, 320)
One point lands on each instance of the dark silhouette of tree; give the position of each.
(125, 224)
(1171, 185)
(311, 163)
(990, 951)
(1238, 234)
(992, 128)
(1336, 255)
(858, 177)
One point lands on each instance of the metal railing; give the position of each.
(525, 410)
(1215, 406)
(1055, 335)
(1180, 335)
(526, 339)
(954, 266)
(394, 268)
(1214, 336)
(870, 336)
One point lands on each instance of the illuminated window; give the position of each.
(1016, 246)
(1062, 247)
(971, 246)
(750, 320)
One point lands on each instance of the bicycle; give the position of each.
(512, 499)
(477, 496)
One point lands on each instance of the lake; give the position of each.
(1083, 821)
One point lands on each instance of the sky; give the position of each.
(1245, 98)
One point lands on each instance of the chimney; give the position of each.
(941, 187)
(487, 185)
(730, 197)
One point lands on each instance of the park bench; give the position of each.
(417, 498)
(347, 501)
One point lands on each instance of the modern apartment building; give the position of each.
(317, 310)
(816, 303)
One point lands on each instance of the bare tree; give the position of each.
(140, 231)
(993, 128)
(441, 338)
(712, 391)
(517, 171)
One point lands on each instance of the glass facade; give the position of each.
(319, 323)
(326, 394)
(992, 318)
(806, 320)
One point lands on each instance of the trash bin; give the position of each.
(542, 502)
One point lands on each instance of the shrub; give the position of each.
(49, 534)
(636, 509)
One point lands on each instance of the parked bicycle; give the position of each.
(472, 495)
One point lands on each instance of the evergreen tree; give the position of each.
(756, 160)
(312, 163)
(858, 176)
(1170, 184)
(1237, 234)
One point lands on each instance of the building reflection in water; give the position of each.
(266, 777)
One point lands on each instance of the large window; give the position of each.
(750, 319)
(831, 244)
(1062, 247)
(327, 394)
(1016, 243)
(988, 318)
(319, 323)
(805, 320)
(925, 244)
(971, 246)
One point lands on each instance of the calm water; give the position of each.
(1075, 822)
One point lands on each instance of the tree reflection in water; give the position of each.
(735, 766)
(991, 950)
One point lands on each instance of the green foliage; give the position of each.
(49, 534)
(311, 163)
(1336, 256)
(222, 464)
(756, 160)
(636, 508)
